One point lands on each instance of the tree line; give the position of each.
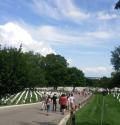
(114, 80)
(19, 70)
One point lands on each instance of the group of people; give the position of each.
(66, 102)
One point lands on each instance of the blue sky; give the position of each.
(83, 31)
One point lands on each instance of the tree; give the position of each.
(117, 6)
(92, 81)
(115, 80)
(89, 82)
(12, 71)
(75, 77)
(36, 74)
(104, 82)
(19, 70)
(55, 67)
(115, 60)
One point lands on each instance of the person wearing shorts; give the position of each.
(63, 103)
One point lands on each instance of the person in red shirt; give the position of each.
(63, 103)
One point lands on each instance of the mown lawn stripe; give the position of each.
(91, 113)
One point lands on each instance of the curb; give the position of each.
(20, 105)
(64, 120)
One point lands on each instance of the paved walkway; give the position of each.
(29, 115)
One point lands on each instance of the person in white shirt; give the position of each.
(44, 101)
(72, 101)
(48, 104)
(68, 102)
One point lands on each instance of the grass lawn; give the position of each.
(100, 107)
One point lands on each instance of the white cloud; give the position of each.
(99, 34)
(59, 9)
(55, 35)
(106, 16)
(38, 39)
(95, 71)
(12, 34)
(69, 61)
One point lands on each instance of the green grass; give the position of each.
(91, 113)
(14, 102)
(22, 98)
(33, 99)
(39, 97)
(28, 98)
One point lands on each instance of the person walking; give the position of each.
(60, 103)
(72, 101)
(48, 104)
(44, 97)
(63, 103)
(68, 102)
(54, 100)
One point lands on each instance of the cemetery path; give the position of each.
(30, 115)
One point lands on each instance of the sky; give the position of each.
(83, 31)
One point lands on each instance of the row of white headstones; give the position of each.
(24, 95)
(17, 97)
(116, 94)
(21, 97)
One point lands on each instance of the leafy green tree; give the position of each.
(55, 67)
(93, 82)
(12, 71)
(115, 60)
(115, 80)
(19, 70)
(36, 74)
(117, 6)
(75, 77)
(89, 82)
(104, 82)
